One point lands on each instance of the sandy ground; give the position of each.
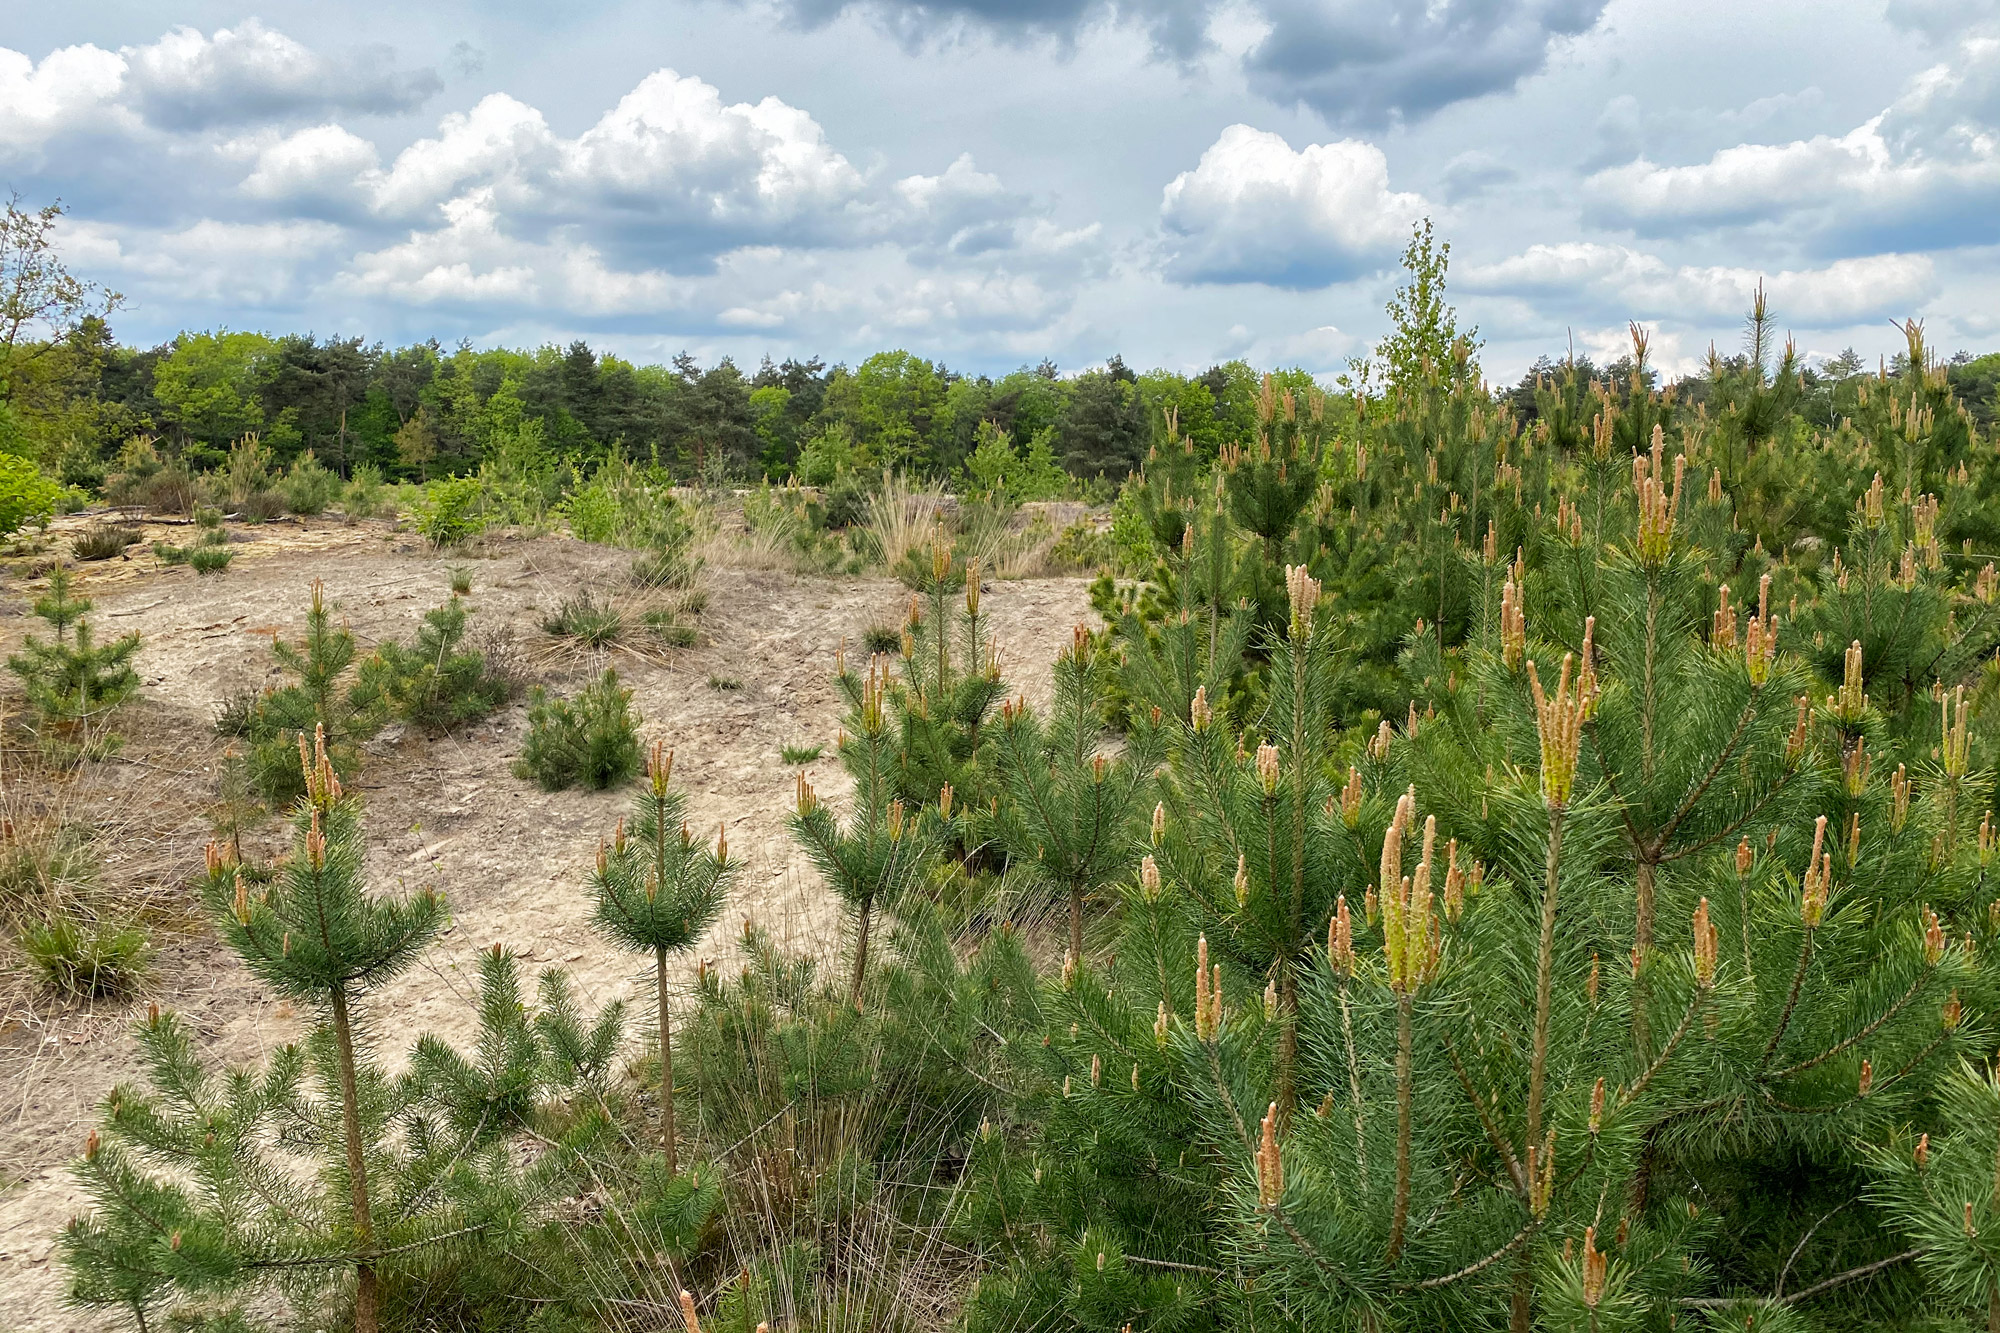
(445, 812)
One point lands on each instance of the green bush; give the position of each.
(365, 495)
(447, 513)
(210, 559)
(308, 488)
(435, 683)
(86, 958)
(26, 496)
(591, 740)
(322, 696)
(800, 754)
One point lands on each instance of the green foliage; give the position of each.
(436, 682)
(26, 496)
(995, 467)
(84, 957)
(308, 487)
(460, 578)
(882, 640)
(72, 678)
(364, 496)
(724, 684)
(800, 754)
(246, 1187)
(591, 740)
(447, 512)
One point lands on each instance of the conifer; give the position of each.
(71, 678)
(659, 889)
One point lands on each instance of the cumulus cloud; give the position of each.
(187, 82)
(1355, 62)
(1925, 171)
(1625, 282)
(1255, 210)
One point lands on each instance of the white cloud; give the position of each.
(324, 161)
(1625, 282)
(210, 262)
(1924, 171)
(187, 82)
(1254, 210)
(72, 90)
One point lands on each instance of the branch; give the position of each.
(1828, 1284)
(1519, 1239)
(1862, 1035)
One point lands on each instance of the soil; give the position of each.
(445, 812)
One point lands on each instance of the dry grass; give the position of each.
(903, 516)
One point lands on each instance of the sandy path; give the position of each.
(448, 812)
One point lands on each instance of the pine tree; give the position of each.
(71, 679)
(660, 890)
(324, 699)
(318, 936)
(885, 846)
(949, 684)
(1071, 813)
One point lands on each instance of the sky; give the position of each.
(995, 182)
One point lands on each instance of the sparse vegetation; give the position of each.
(800, 754)
(724, 684)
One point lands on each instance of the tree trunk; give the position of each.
(1405, 1108)
(365, 1298)
(666, 1064)
(1288, 1041)
(861, 954)
(1522, 1307)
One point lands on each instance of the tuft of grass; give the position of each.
(80, 957)
(801, 754)
(724, 683)
(101, 541)
(461, 580)
(586, 620)
(879, 639)
(694, 601)
(210, 559)
(663, 626)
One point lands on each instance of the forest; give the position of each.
(1495, 858)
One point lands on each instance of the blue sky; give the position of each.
(1175, 181)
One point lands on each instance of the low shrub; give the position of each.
(210, 559)
(662, 625)
(436, 683)
(308, 488)
(365, 495)
(448, 513)
(81, 957)
(591, 740)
